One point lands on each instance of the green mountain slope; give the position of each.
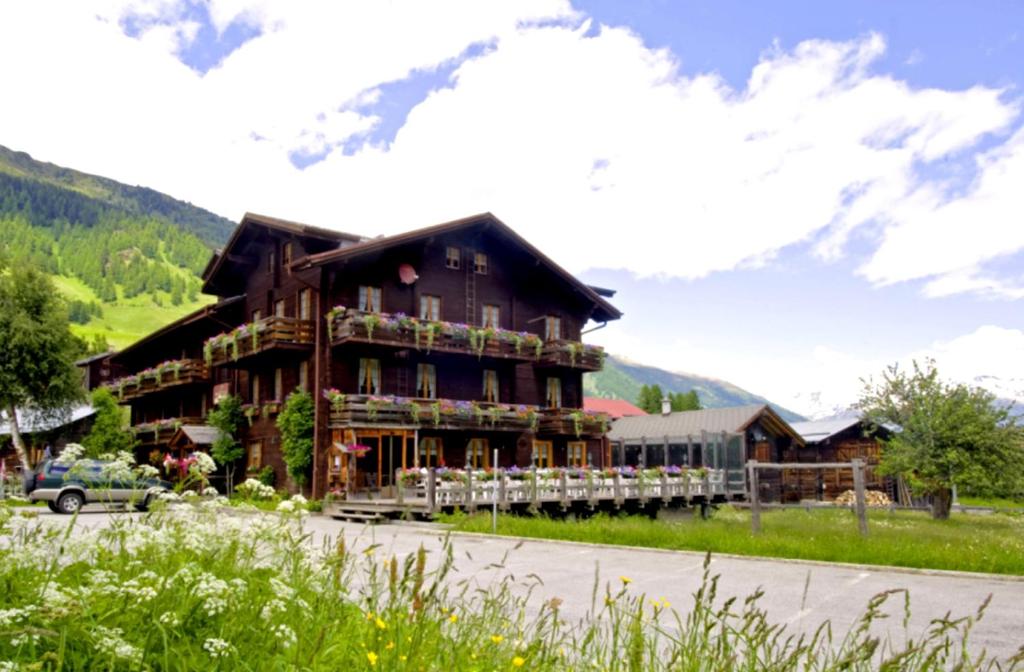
(126, 258)
(622, 379)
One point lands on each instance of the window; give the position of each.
(491, 316)
(491, 386)
(577, 453)
(480, 263)
(554, 393)
(430, 307)
(278, 385)
(255, 388)
(431, 452)
(304, 376)
(286, 256)
(305, 304)
(257, 315)
(552, 328)
(453, 258)
(477, 454)
(279, 310)
(254, 458)
(543, 454)
(426, 381)
(369, 376)
(270, 262)
(369, 299)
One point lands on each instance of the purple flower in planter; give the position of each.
(673, 470)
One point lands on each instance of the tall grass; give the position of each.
(972, 543)
(187, 589)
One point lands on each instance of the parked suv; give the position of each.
(66, 488)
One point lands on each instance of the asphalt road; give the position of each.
(798, 594)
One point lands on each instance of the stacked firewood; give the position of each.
(871, 498)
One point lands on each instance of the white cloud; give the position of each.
(575, 139)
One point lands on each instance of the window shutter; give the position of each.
(362, 376)
(363, 303)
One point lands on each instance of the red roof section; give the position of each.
(615, 408)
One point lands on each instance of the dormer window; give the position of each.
(370, 299)
(453, 258)
(480, 263)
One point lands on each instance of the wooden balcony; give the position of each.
(366, 411)
(248, 340)
(572, 354)
(573, 422)
(354, 326)
(169, 375)
(160, 432)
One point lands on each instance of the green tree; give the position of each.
(108, 433)
(227, 449)
(685, 401)
(650, 398)
(37, 351)
(947, 435)
(295, 422)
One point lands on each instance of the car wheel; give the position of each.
(70, 502)
(143, 505)
(53, 507)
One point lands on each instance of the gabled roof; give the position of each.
(816, 431)
(198, 435)
(251, 219)
(731, 420)
(93, 358)
(604, 311)
(614, 408)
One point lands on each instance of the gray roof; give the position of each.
(685, 423)
(819, 430)
(201, 435)
(29, 423)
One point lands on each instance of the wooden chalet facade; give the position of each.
(837, 440)
(429, 348)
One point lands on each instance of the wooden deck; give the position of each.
(269, 334)
(157, 379)
(533, 491)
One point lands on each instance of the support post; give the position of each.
(755, 497)
(502, 491)
(468, 499)
(399, 495)
(643, 452)
(860, 503)
(534, 496)
(617, 488)
(590, 488)
(431, 491)
(494, 493)
(563, 484)
(664, 453)
(665, 496)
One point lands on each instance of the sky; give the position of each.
(789, 196)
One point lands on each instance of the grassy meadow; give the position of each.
(971, 543)
(186, 588)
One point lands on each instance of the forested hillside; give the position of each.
(127, 258)
(622, 379)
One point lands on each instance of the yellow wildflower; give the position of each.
(372, 657)
(497, 639)
(381, 624)
(453, 618)
(518, 661)
(625, 580)
(390, 646)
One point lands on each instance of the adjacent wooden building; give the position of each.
(428, 348)
(834, 440)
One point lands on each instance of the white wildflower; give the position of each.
(170, 619)
(148, 471)
(72, 453)
(285, 634)
(273, 607)
(210, 492)
(217, 648)
(8, 666)
(111, 642)
(254, 489)
(299, 500)
(13, 616)
(203, 464)
(169, 496)
(24, 638)
(212, 591)
(286, 506)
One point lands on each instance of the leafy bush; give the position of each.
(295, 422)
(267, 476)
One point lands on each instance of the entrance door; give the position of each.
(396, 452)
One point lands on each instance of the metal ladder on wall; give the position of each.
(470, 288)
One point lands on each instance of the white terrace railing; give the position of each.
(434, 489)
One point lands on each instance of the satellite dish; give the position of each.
(407, 274)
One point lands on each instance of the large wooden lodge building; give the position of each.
(423, 349)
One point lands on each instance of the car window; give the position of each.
(58, 469)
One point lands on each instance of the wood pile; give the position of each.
(871, 498)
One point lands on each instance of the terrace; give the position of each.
(346, 325)
(161, 431)
(248, 340)
(168, 375)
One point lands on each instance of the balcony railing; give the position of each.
(359, 409)
(255, 337)
(163, 376)
(347, 325)
(161, 431)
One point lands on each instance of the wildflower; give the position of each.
(453, 618)
(518, 661)
(497, 639)
(381, 624)
(216, 648)
(372, 657)
(285, 634)
(170, 619)
(390, 645)
(625, 580)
